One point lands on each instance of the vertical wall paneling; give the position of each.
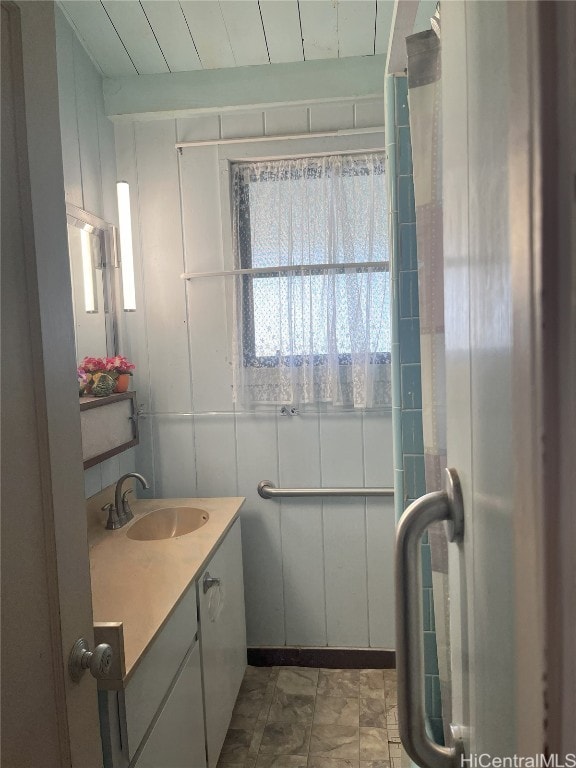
(341, 447)
(207, 305)
(380, 529)
(369, 113)
(199, 128)
(287, 120)
(215, 448)
(311, 575)
(236, 126)
(256, 440)
(88, 87)
(145, 458)
(135, 344)
(324, 116)
(162, 255)
(68, 115)
(107, 164)
(165, 303)
(210, 354)
(127, 463)
(90, 174)
(92, 481)
(110, 471)
(174, 457)
(378, 458)
(201, 209)
(302, 540)
(380, 533)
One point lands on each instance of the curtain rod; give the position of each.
(180, 145)
(383, 266)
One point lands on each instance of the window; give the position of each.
(313, 299)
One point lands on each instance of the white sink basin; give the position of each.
(168, 523)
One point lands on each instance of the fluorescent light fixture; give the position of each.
(126, 253)
(88, 272)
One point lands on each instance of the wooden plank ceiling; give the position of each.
(127, 37)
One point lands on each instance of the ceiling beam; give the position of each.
(182, 94)
(403, 18)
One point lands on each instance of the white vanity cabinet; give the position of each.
(161, 666)
(177, 737)
(222, 637)
(174, 709)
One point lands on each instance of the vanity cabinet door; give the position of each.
(177, 738)
(223, 637)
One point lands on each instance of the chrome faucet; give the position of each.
(120, 513)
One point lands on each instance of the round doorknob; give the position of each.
(97, 661)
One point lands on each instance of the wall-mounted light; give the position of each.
(126, 253)
(90, 303)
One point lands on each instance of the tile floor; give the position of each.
(299, 717)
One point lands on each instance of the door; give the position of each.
(503, 356)
(494, 343)
(47, 720)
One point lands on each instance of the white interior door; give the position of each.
(493, 351)
(47, 720)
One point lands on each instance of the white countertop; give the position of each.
(139, 583)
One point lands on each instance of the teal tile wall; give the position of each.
(408, 251)
(410, 482)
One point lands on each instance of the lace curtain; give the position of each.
(312, 304)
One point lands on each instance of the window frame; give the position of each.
(250, 358)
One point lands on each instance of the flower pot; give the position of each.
(102, 384)
(122, 382)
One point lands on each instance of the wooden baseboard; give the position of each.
(327, 658)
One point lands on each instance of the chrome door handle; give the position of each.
(209, 581)
(443, 505)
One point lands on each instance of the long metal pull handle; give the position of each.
(443, 505)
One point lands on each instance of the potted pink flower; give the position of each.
(121, 369)
(104, 375)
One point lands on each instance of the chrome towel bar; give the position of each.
(268, 490)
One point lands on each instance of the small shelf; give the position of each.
(109, 426)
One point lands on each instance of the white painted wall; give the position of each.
(89, 172)
(316, 573)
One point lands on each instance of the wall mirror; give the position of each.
(93, 260)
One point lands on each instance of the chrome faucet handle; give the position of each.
(113, 522)
(126, 511)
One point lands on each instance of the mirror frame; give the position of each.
(108, 236)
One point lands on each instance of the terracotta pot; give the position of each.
(122, 382)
